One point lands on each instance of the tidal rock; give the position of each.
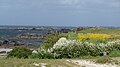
(5, 42)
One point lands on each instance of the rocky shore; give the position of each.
(6, 46)
(34, 28)
(13, 44)
(6, 43)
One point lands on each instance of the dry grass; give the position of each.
(13, 62)
(30, 62)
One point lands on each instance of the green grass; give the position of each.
(13, 62)
(112, 32)
(115, 53)
(105, 31)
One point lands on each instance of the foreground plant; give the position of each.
(74, 48)
(65, 48)
(20, 52)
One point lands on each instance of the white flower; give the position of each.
(61, 43)
(34, 52)
(50, 50)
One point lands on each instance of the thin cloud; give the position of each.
(92, 3)
(62, 3)
(70, 2)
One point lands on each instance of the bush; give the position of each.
(76, 51)
(20, 52)
(76, 48)
(116, 46)
(51, 39)
(43, 54)
(64, 48)
(94, 38)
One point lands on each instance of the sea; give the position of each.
(11, 31)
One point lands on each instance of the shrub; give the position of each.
(76, 49)
(116, 46)
(51, 39)
(94, 38)
(61, 43)
(20, 52)
(43, 54)
(65, 48)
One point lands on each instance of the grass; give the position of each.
(101, 59)
(103, 31)
(115, 33)
(13, 62)
(115, 53)
(107, 59)
(104, 59)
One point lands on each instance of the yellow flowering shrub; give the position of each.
(92, 36)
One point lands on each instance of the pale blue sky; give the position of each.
(60, 12)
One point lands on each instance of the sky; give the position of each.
(60, 12)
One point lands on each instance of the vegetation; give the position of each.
(74, 51)
(101, 31)
(20, 52)
(92, 43)
(13, 62)
(42, 55)
(51, 39)
(104, 59)
(57, 46)
(94, 38)
(115, 53)
(115, 33)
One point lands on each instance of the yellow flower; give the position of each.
(93, 36)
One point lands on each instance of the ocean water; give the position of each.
(10, 31)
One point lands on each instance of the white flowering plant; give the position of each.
(66, 48)
(76, 48)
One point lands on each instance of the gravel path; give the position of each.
(84, 63)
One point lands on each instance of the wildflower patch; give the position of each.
(93, 37)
